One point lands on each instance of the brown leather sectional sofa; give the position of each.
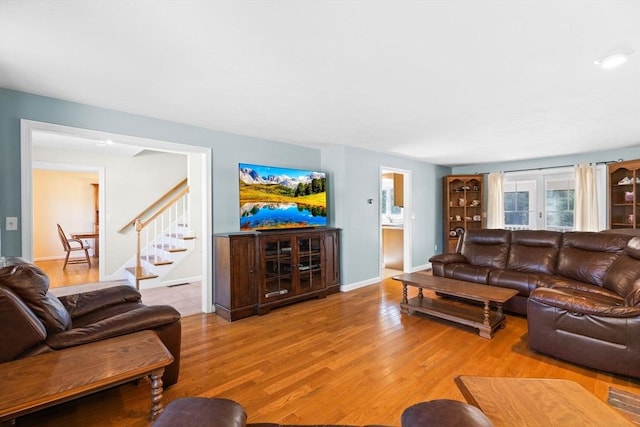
(579, 290)
(34, 321)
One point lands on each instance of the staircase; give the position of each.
(164, 238)
(161, 256)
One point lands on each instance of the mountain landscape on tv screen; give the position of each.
(272, 198)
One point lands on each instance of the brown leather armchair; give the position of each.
(34, 321)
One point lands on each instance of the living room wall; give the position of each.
(550, 162)
(354, 176)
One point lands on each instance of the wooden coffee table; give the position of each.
(37, 382)
(537, 402)
(486, 320)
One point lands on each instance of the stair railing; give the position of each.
(163, 220)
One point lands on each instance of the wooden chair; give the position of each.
(71, 245)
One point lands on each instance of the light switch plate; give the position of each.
(11, 223)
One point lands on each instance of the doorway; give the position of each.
(66, 195)
(395, 221)
(199, 174)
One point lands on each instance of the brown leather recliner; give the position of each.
(34, 321)
(592, 325)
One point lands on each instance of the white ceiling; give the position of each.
(449, 82)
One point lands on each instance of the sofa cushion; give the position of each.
(467, 272)
(486, 247)
(520, 281)
(534, 251)
(32, 285)
(586, 256)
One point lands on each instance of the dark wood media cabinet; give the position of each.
(258, 271)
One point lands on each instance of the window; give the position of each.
(541, 201)
(559, 204)
(545, 199)
(519, 205)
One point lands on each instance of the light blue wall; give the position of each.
(598, 156)
(353, 176)
(359, 179)
(227, 151)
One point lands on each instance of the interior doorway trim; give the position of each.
(194, 153)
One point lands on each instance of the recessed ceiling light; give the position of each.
(613, 60)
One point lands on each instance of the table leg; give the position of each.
(404, 293)
(156, 393)
(405, 301)
(499, 311)
(486, 313)
(420, 296)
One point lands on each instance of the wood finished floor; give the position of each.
(350, 358)
(74, 274)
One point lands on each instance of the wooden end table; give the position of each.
(537, 402)
(484, 319)
(37, 382)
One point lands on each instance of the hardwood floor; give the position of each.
(350, 358)
(74, 274)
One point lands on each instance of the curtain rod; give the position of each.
(550, 167)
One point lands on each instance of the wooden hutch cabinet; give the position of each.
(462, 203)
(255, 272)
(624, 194)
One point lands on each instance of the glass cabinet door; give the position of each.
(310, 259)
(278, 278)
(623, 198)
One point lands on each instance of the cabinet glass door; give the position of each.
(278, 280)
(623, 198)
(310, 263)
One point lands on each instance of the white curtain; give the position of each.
(586, 199)
(495, 199)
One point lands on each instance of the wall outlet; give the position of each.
(11, 223)
(435, 247)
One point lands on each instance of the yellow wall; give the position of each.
(64, 198)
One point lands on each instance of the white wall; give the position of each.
(64, 198)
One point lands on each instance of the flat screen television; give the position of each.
(278, 198)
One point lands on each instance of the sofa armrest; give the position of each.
(21, 329)
(580, 303)
(140, 319)
(213, 411)
(80, 304)
(447, 258)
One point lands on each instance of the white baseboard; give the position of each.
(372, 281)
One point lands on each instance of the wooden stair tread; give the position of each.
(181, 236)
(169, 248)
(156, 260)
(140, 273)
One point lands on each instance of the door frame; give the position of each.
(199, 154)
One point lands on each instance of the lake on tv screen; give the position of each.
(258, 215)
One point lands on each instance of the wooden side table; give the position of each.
(37, 382)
